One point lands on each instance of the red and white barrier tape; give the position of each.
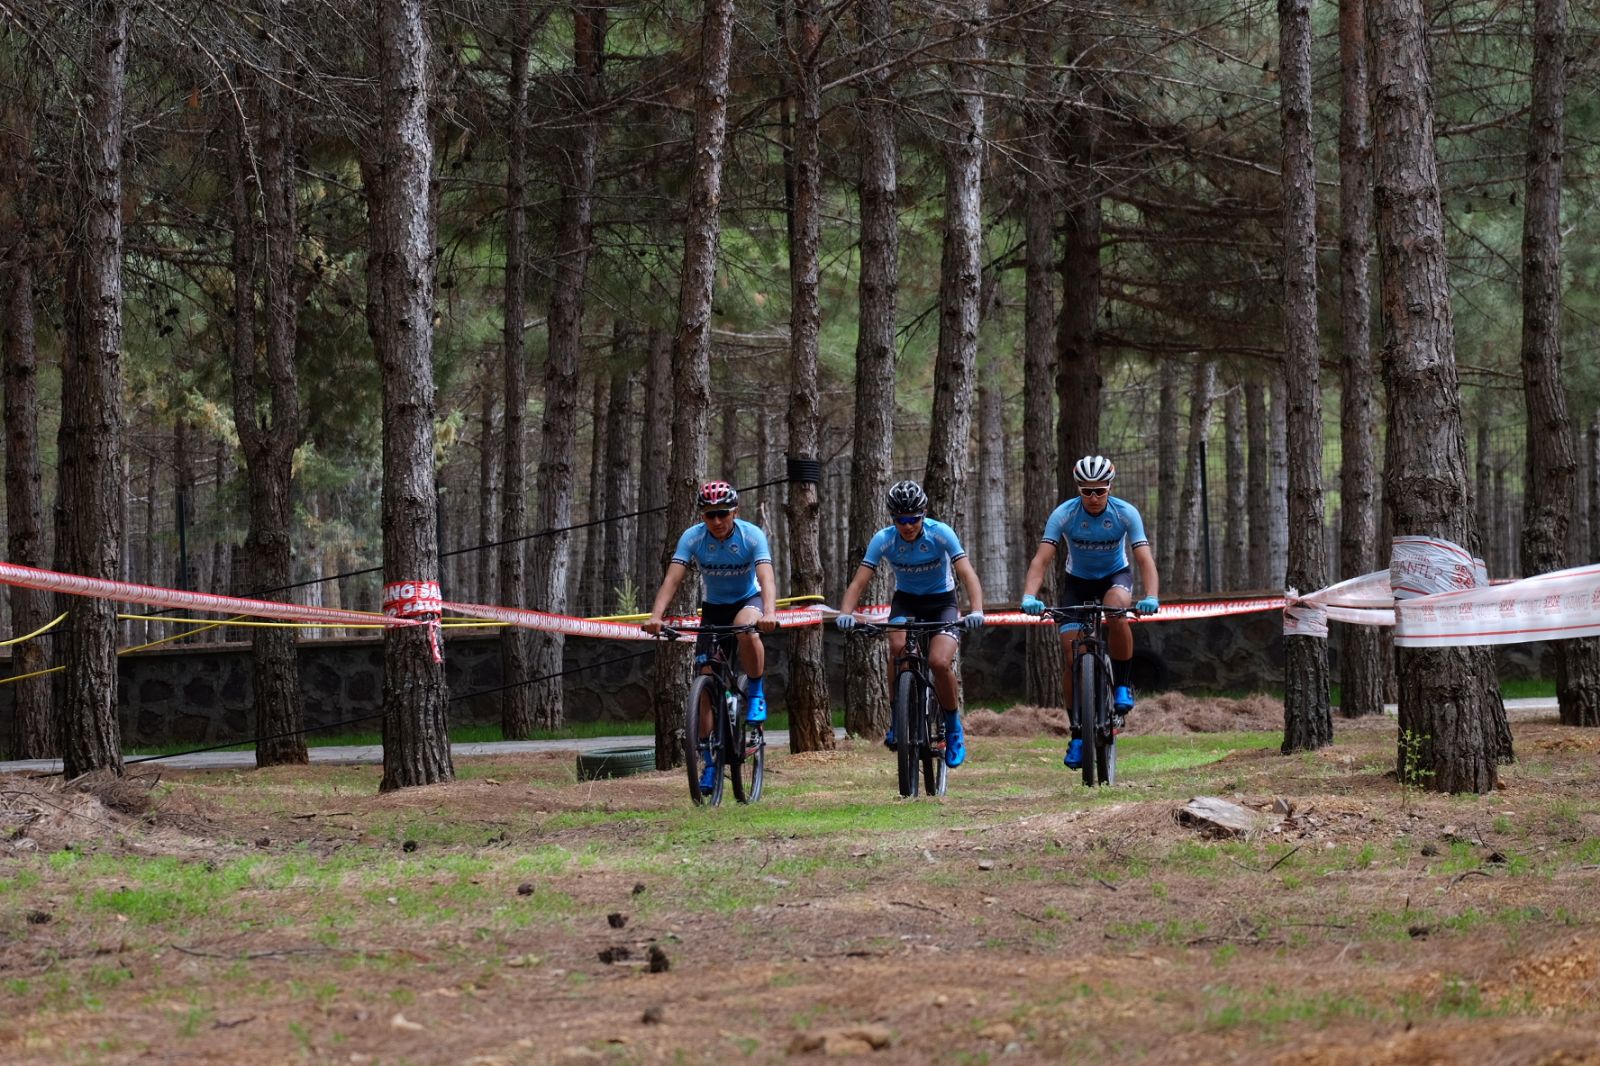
(153, 596)
(1170, 612)
(587, 627)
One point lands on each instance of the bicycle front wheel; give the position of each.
(1091, 697)
(748, 765)
(704, 692)
(907, 720)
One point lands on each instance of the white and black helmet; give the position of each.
(907, 497)
(1092, 469)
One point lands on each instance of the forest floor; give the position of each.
(517, 916)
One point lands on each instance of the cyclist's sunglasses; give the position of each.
(907, 519)
(723, 512)
(1093, 492)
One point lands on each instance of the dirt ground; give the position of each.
(518, 916)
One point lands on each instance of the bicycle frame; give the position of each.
(1092, 712)
(733, 740)
(918, 725)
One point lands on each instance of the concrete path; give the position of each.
(373, 753)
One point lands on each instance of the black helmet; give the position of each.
(907, 497)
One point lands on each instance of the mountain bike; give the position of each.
(734, 744)
(914, 716)
(1093, 713)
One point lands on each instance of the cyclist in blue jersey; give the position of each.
(927, 557)
(735, 563)
(1089, 531)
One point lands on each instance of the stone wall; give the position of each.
(201, 695)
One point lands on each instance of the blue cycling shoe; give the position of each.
(1122, 702)
(756, 709)
(1074, 756)
(888, 739)
(955, 741)
(708, 776)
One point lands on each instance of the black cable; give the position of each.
(498, 543)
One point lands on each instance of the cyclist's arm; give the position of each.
(769, 597)
(858, 585)
(1145, 560)
(1038, 568)
(969, 579)
(669, 589)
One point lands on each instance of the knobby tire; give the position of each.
(709, 688)
(907, 718)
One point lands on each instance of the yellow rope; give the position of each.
(42, 629)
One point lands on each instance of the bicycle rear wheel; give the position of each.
(703, 691)
(1091, 697)
(907, 720)
(935, 774)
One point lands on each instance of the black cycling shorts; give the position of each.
(720, 614)
(929, 607)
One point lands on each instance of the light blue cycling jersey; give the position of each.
(921, 566)
(1094, 541)
(728, 566)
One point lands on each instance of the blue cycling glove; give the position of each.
(1032, 605)
(973, 620)
(1148, 605)
(843, 622)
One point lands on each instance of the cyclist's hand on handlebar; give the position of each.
(767, 623)
(1148, 605)
(653, 625)
(973, 620)
(1032, 605)
(844, 622)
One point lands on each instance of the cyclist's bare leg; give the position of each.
(752, 653)
(707, 719)
(941, 654)
(1119, 631)
(1066, 672)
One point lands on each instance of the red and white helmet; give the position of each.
(717, 494)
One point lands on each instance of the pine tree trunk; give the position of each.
(91, 429)
(1041, 481)
(490, 452)
(1079, 383)
(1236, 529)
(866, 708)
(991, 509)
(1307, 723)
(1187, 554)
(1363, 666)
(1550, 491)
(416, 741)
(35, 735)
(810, 716)
(655, 462)
(691, 349)
(621, 484)
(550, 557)
(1169, 475)
(960, 270)
(591, 596)
(1452, 722)
(1259, 481)
(516, 644)
(270, 433)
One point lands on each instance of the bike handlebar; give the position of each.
(1076, 612)
(673, 632)
(872, 628)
